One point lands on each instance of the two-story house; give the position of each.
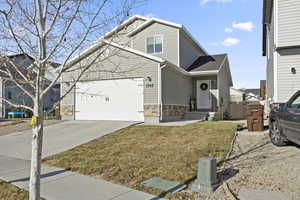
(154, 71)
(11, 92)
(281, 46)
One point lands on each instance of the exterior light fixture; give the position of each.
(149, 78)
(293, 70)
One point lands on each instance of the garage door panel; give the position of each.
(110, 100)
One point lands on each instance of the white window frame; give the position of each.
(162, 43)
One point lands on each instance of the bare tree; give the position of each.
(46, 31)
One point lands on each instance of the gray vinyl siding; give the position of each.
(288, 22)
(270, 61)
(120, 65)
(288, 83)
(176, 87)
(224, 87)
(189, 51)
(122, 38)
(18, 97)
(170, 41)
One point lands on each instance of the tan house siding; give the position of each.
(176, 93)
(224, 88)
(189, 51)
(122, 38)
(170, 38)
(288, 22)
(121, 65)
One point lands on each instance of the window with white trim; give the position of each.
(154, 44)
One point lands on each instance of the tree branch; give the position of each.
(16, 105)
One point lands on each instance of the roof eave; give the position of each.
(151, 21)
(267, 16)
(121, 26)
(134, 51)
(208, 72)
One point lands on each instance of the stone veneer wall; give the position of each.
(174, 111)
(169, 112)
(67, 111)
(152, 110)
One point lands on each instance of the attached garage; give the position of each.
(120, 99)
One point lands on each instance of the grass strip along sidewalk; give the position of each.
(132, 155)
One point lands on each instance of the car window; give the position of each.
(296, 103)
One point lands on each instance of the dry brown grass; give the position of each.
(11, 192)
(134, 154)
(8, 127)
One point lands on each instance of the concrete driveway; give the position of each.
(59, 137)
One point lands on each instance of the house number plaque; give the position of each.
(149, 85)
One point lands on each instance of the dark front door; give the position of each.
(292, 119)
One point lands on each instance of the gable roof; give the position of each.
(122, 25)
(237, 90)
(134, 51)
(207, 63)
(254, 91)
(50, 73)
(211, 67)
(150, 21)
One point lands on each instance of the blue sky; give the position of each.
(207, 21)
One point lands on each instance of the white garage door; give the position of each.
(120, 99)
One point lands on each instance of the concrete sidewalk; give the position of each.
(57, 183)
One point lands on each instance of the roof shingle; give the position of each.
(207, 63)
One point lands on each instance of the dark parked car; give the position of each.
(285, 122)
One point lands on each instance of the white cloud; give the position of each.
(220, 1)
(228, 30)
(230, 41)
(245, 26)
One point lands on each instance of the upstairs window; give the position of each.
(9, 95)
(154, 44)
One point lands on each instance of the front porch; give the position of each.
(204, 94)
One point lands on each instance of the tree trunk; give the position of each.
(36, 154)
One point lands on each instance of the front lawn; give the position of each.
(11, 192)
(134, 154)
(8, 127)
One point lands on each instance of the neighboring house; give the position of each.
(252, 95)
(281, 46)
(237, 95)
(14, 94)
(240, 98)
(238, 104)
(159, 70)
